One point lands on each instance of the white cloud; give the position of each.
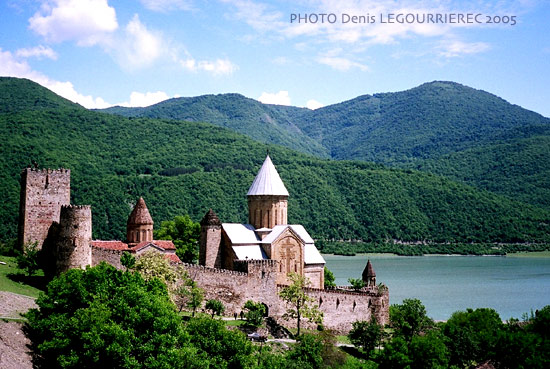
(279, 98)
(216, 67)
(451, 49)
(138, 99)
(12, 67)
(139, 47)
(85, 21)
(37, 52)
(341, 64)
(167, 5)
(314, 104)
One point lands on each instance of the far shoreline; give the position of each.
(519, 254)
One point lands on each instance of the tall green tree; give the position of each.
(29, 258)
(215, 306)
(409, 318)
(224, 348)
(329, 278)
(185, 234)
(255, 312)
(189, 295)
(366, 335)
(300, 304)
(472, 335)
(103, 317)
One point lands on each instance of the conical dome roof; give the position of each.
(368, 272)
(140, 214)
(210, 219)
(267, 181)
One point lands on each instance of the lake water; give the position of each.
(510, 285)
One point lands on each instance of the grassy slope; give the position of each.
(114, 160)
(20, 284)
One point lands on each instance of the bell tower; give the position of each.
(267, 198)
(140, 224)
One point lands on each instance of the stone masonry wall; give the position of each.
(256, 280)
(75, 234)
(43, 192)
(342, 307)
(109, 256)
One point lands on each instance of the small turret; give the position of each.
(210, 241)
(140, 224)
(369, 276)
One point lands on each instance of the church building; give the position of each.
(266, 236)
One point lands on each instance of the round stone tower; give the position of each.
(73, 241)
(140, 224)
(267, 198)
(210, 241)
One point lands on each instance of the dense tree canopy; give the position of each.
(187, 168)
(184, 233)
(103, 317)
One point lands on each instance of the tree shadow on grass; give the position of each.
(354, 351)
(35, 281)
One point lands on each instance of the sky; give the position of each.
(306, 53)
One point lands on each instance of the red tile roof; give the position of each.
(110, 245)
(172, 258)
(164, 244)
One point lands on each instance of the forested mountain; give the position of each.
(441, 127)
(263, 123)
(187, 168)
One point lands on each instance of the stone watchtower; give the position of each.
(73, 249)
(210, 241)
(43, 192)
(140, 224)
(369, 276)
(267, 198)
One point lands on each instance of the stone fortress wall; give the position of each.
(45, 211)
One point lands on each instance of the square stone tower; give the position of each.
(43, 192)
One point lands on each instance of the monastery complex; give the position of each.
(237, 262)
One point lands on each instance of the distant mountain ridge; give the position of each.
(428, 127)
(188, 167)
(261, 122)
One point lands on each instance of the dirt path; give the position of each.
(13, 343)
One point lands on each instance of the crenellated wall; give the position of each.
(43, 192)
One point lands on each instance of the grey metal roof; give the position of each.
(312, 255)
(240, 234)
(247, 245)
(297, 228)
(249, 252)
(267, 181)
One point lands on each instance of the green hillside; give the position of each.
(263, 123)
(440, 127)
(518, 168)
(182, 167)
